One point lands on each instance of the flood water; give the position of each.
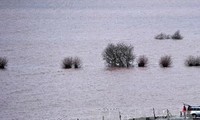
(35, 40)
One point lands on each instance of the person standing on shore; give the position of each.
(184, 111)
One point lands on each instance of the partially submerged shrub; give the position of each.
(197, 61)
(177, 36)
(3, 62)
(192, 61)
(120, 55)
(70, 62)
(162, 36)
(165, 61)
(77, 62)
(142, 61)
(67, 63)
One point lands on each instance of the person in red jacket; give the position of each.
(184, 111)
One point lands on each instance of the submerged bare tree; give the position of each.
(119, 55)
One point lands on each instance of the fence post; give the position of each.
(120, 117)
(167, 114)
(154, 114)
